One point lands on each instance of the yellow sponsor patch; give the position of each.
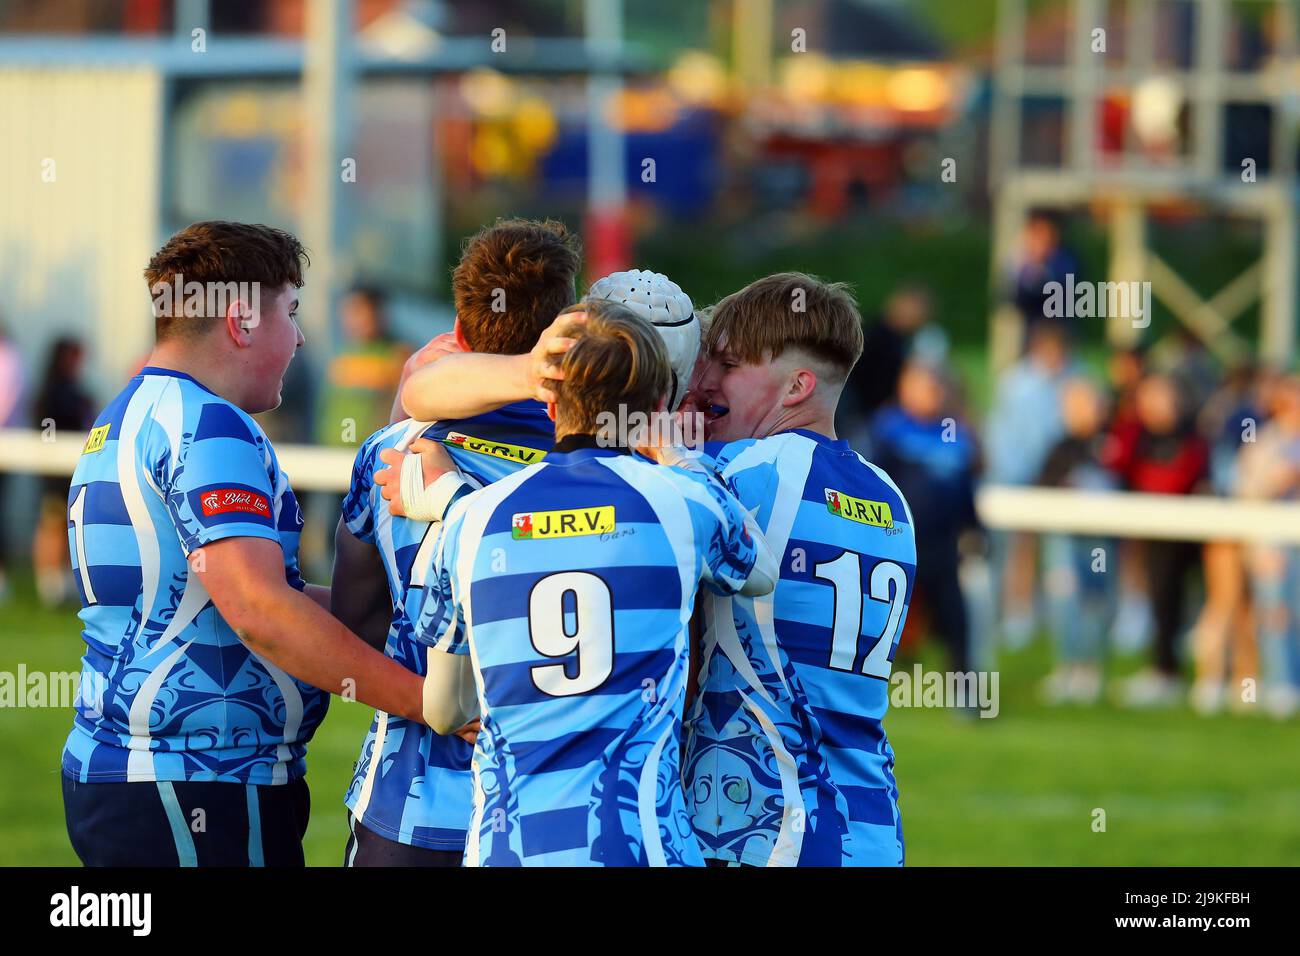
(96, 439)
(874, 513)
(562, 524)
(497, 449)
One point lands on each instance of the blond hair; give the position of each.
(789, 310)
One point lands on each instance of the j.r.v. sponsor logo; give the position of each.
(497, 449)
(530, 525)
(875, 513)
(75, 909)
(97, 438)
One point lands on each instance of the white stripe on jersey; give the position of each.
(139, 762)
(792, 461)
(292, 717)
(372, 771)
(485, 503)
(792, 457)
(135, 417)
(128, 480)
(647, 790)
(168, 414)
(789, 840)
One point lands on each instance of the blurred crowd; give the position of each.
(1165, 419)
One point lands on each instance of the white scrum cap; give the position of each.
(660, 301)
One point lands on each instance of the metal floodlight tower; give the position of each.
(1125, 184)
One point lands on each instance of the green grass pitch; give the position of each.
(1020, 789)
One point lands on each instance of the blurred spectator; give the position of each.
(1076, 573)
(355, 400)
(1131, 630)
(1223, 639)
(932, 459)
(1043, 260)
(874, 380)
(1125, 368)
(12, 382)
(1183, 357)
(1023, 426)
(1161, 453)
(62, 408)
(11, 410)
(361, 378)
(1270, 469)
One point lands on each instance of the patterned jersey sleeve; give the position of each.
(220, 485)
(441, 622)
(728, 551)
(358, 508)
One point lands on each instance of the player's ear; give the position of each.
(240, 322)
(803, 382)
(460, 335)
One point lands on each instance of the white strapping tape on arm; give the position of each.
(428, 504)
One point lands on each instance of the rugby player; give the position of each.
(409, 800)
(563, 595)
(209, 662)
(787, 760)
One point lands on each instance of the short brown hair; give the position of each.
(618, 359)
(215, 251)
(789, 310)
(526, 267)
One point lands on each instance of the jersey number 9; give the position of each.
(591, 636)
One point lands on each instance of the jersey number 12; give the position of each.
(888, 584)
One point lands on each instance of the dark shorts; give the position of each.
(198, 823)
(367, 848)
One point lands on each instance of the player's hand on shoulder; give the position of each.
(544, 359)
(434, 462)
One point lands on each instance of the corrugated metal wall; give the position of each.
(72, 248)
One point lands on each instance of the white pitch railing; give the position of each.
(1105, 514)
(310, 468)
(1125, 514)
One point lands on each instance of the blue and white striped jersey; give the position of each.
(787, 762)
(418, 790)
(571, 586)
(169, 692)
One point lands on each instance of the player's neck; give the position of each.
(806, 419)
(179, 357)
